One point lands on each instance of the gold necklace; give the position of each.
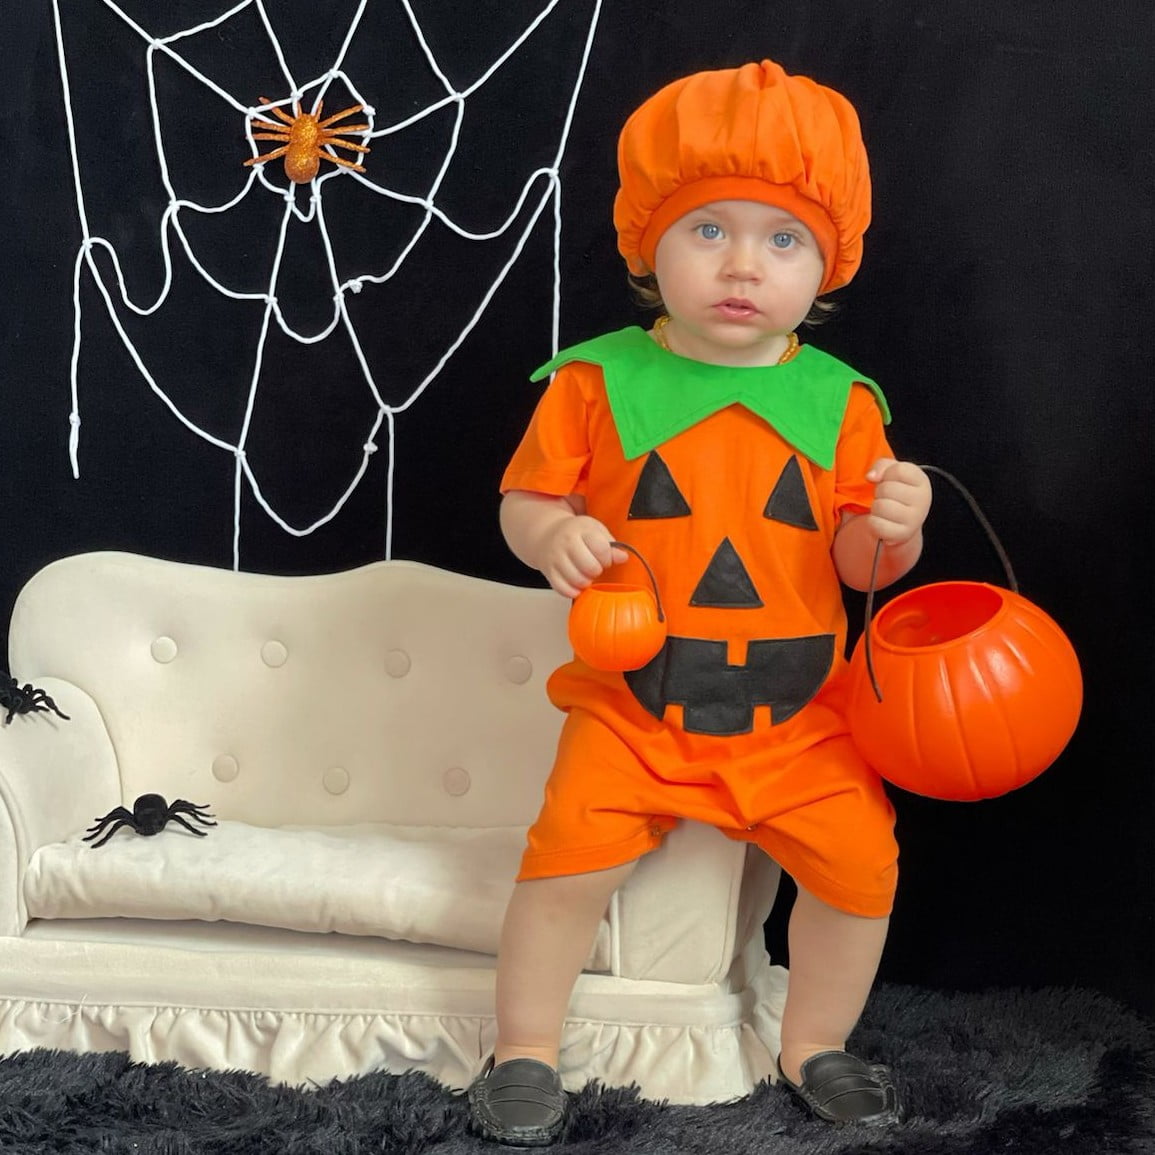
(792, 345)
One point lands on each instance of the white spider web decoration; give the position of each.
(303, 205)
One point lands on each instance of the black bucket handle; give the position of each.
(649, 573)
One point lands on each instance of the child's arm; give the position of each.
(901, 503)
(556, 536)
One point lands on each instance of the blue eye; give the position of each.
(782, 240)
(709, 231)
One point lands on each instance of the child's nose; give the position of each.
(742, 263)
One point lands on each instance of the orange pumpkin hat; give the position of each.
(749, 133)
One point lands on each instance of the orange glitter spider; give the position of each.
(306, 140)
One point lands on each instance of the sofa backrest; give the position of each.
(396, 692)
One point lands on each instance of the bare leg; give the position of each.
(546, 938)
(834, 957)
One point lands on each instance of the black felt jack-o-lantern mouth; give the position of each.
(719, 698)
(716, 696)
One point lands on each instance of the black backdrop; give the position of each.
(1005, 304)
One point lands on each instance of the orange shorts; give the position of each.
(823, 816)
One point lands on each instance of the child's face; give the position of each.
(736, 277)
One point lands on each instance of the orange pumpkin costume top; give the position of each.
(738, 720)
(731, 483)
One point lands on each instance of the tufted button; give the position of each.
(163, 649)
(456, 781)
(397, 663)
(336, 780)
(274, 654)
(519, 669)
(225, 768)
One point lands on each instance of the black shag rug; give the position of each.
(999, 1073)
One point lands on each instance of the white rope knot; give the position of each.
(370, 447)
(74, 419)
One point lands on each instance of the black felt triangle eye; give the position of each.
(726, 584)
(657, 494)
(789, 503)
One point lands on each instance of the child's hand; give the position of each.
(901, 500)
(575, 552)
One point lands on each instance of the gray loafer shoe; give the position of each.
(839, 1088)
(520, 1103)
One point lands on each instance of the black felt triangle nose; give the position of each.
(726, 584)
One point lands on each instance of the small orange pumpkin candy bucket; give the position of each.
(961, 690)
(617, 627)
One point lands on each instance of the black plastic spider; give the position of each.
(149, 815)
(26, 699)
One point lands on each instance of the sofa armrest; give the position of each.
(55, 777)
(684, 914)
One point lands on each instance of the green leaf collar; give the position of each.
(655, 394)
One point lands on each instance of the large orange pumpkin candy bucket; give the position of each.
(962, 690)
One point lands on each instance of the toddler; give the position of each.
(754, 476)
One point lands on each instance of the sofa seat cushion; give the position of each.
(440, 885)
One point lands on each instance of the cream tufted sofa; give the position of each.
(373, 744)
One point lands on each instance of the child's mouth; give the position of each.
(734, 309)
